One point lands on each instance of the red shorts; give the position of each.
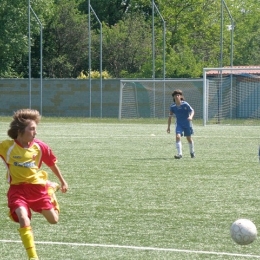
(30, 196)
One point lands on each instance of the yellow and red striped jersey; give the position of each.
(23, 164)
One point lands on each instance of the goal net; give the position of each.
(152, 98)
(231, 95)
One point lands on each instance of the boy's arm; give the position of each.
(55, 169)
(169, 122)
(191, 115)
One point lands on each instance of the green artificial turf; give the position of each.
(129, 198)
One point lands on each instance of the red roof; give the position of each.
(244, 70)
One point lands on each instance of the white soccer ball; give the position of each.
(243, 231)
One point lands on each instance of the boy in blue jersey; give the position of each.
(184, 114)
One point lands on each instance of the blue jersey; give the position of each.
(182, 113)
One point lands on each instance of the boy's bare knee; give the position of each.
(53, 221)
(52, 216)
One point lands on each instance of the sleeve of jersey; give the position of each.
(190, 108)
(47, 155)
(171, 109)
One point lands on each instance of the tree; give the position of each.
(14, 34)
(108, 11)
(12, 41)
(247, 31)
(65, 47)
(126, 46)
(192, 36)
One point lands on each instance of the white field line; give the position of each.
(140, 248)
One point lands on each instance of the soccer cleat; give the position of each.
(178, 156)
(52, 187)
(192, 155)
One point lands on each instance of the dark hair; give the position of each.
(177, 92)
(21, 119)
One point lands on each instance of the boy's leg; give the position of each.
(52, 215)
(178, 146)
(26, 233)
(52, 187)
(191, 146)
(188, 132)
(28, 241)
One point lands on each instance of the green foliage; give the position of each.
(109, 12)
(192, 36)
(126, 45)
(14, 33)
(65, 47)
(94, 75)
(11, 73)
(13, 30)
(247, 32)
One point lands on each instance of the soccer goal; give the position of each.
(152, 98)
(231, 95)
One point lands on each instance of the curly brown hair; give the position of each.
(21, 119)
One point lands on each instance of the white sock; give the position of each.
(179, 147)
(191, 145)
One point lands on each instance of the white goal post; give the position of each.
(231, 94)
(152, 98)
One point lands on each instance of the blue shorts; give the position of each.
(188, 131)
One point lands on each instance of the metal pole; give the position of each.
(204, 97)
(231, 65)
(29, 52)
(164, 47)
(232, 43)
(231, 55)
(40, 56)
(153, 41)
(120, 100)
(164, 65)
(219, 88)
(100, 69)
(164, 33)
(89, 57)
(221, 37)
(153, 50)
(232, 33)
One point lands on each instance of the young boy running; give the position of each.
(184, 114)
(29, 188)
